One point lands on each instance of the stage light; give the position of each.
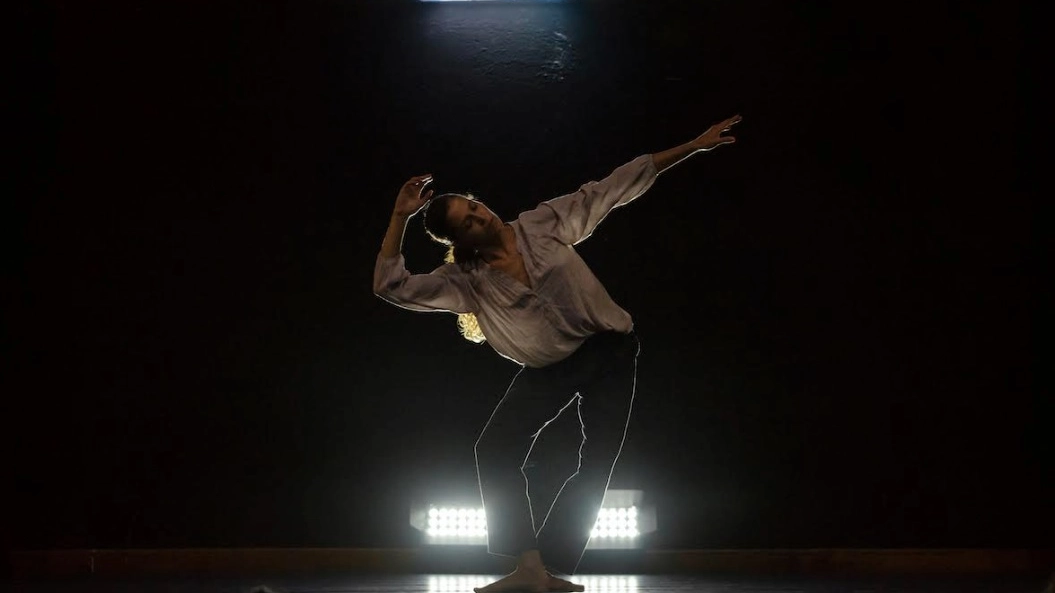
(459, 523)
(623, 518)
(616, 523)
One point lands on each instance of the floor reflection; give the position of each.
(593, 583)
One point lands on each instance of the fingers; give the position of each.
(729, 123)
(415, 187)
(419, 180)
(423, 194)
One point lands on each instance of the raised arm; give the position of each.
(444, 289)
(704, 142)
(411, 199)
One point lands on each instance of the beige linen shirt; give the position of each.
(544, 324)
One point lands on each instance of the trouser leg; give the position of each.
(604, 406)
(534, 398)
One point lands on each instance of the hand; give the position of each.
(412, 196)
(713, 136)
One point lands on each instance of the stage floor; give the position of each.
(460, 583)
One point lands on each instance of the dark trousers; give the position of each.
(601, 375)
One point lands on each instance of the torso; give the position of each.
(514, 267)
(513, 263)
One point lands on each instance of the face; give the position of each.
(471, 222)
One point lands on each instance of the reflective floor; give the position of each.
(593, 583)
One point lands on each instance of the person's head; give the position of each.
(461, 222)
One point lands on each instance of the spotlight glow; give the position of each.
(458, 523)
(469, 525)
(620, 523)
(623, 522)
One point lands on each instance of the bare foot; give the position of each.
(521, 580)
(558, 585)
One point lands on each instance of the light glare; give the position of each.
(468, 526)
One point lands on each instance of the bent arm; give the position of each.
(392, 244)
(446, 288)
(411, 199)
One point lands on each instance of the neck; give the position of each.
(503, 246)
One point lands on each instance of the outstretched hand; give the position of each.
(412, 196)
(713, 136)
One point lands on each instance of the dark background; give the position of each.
(836, 312)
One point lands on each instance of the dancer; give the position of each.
(521, 287)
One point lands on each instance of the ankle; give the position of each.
(531, 560)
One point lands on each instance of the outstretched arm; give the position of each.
(704, 142)
(573, 217)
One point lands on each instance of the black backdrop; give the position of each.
(836, 312)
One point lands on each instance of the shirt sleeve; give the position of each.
(446, 288)
(573, 217)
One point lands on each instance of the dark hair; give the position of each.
(437, 228)
(440, 231)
